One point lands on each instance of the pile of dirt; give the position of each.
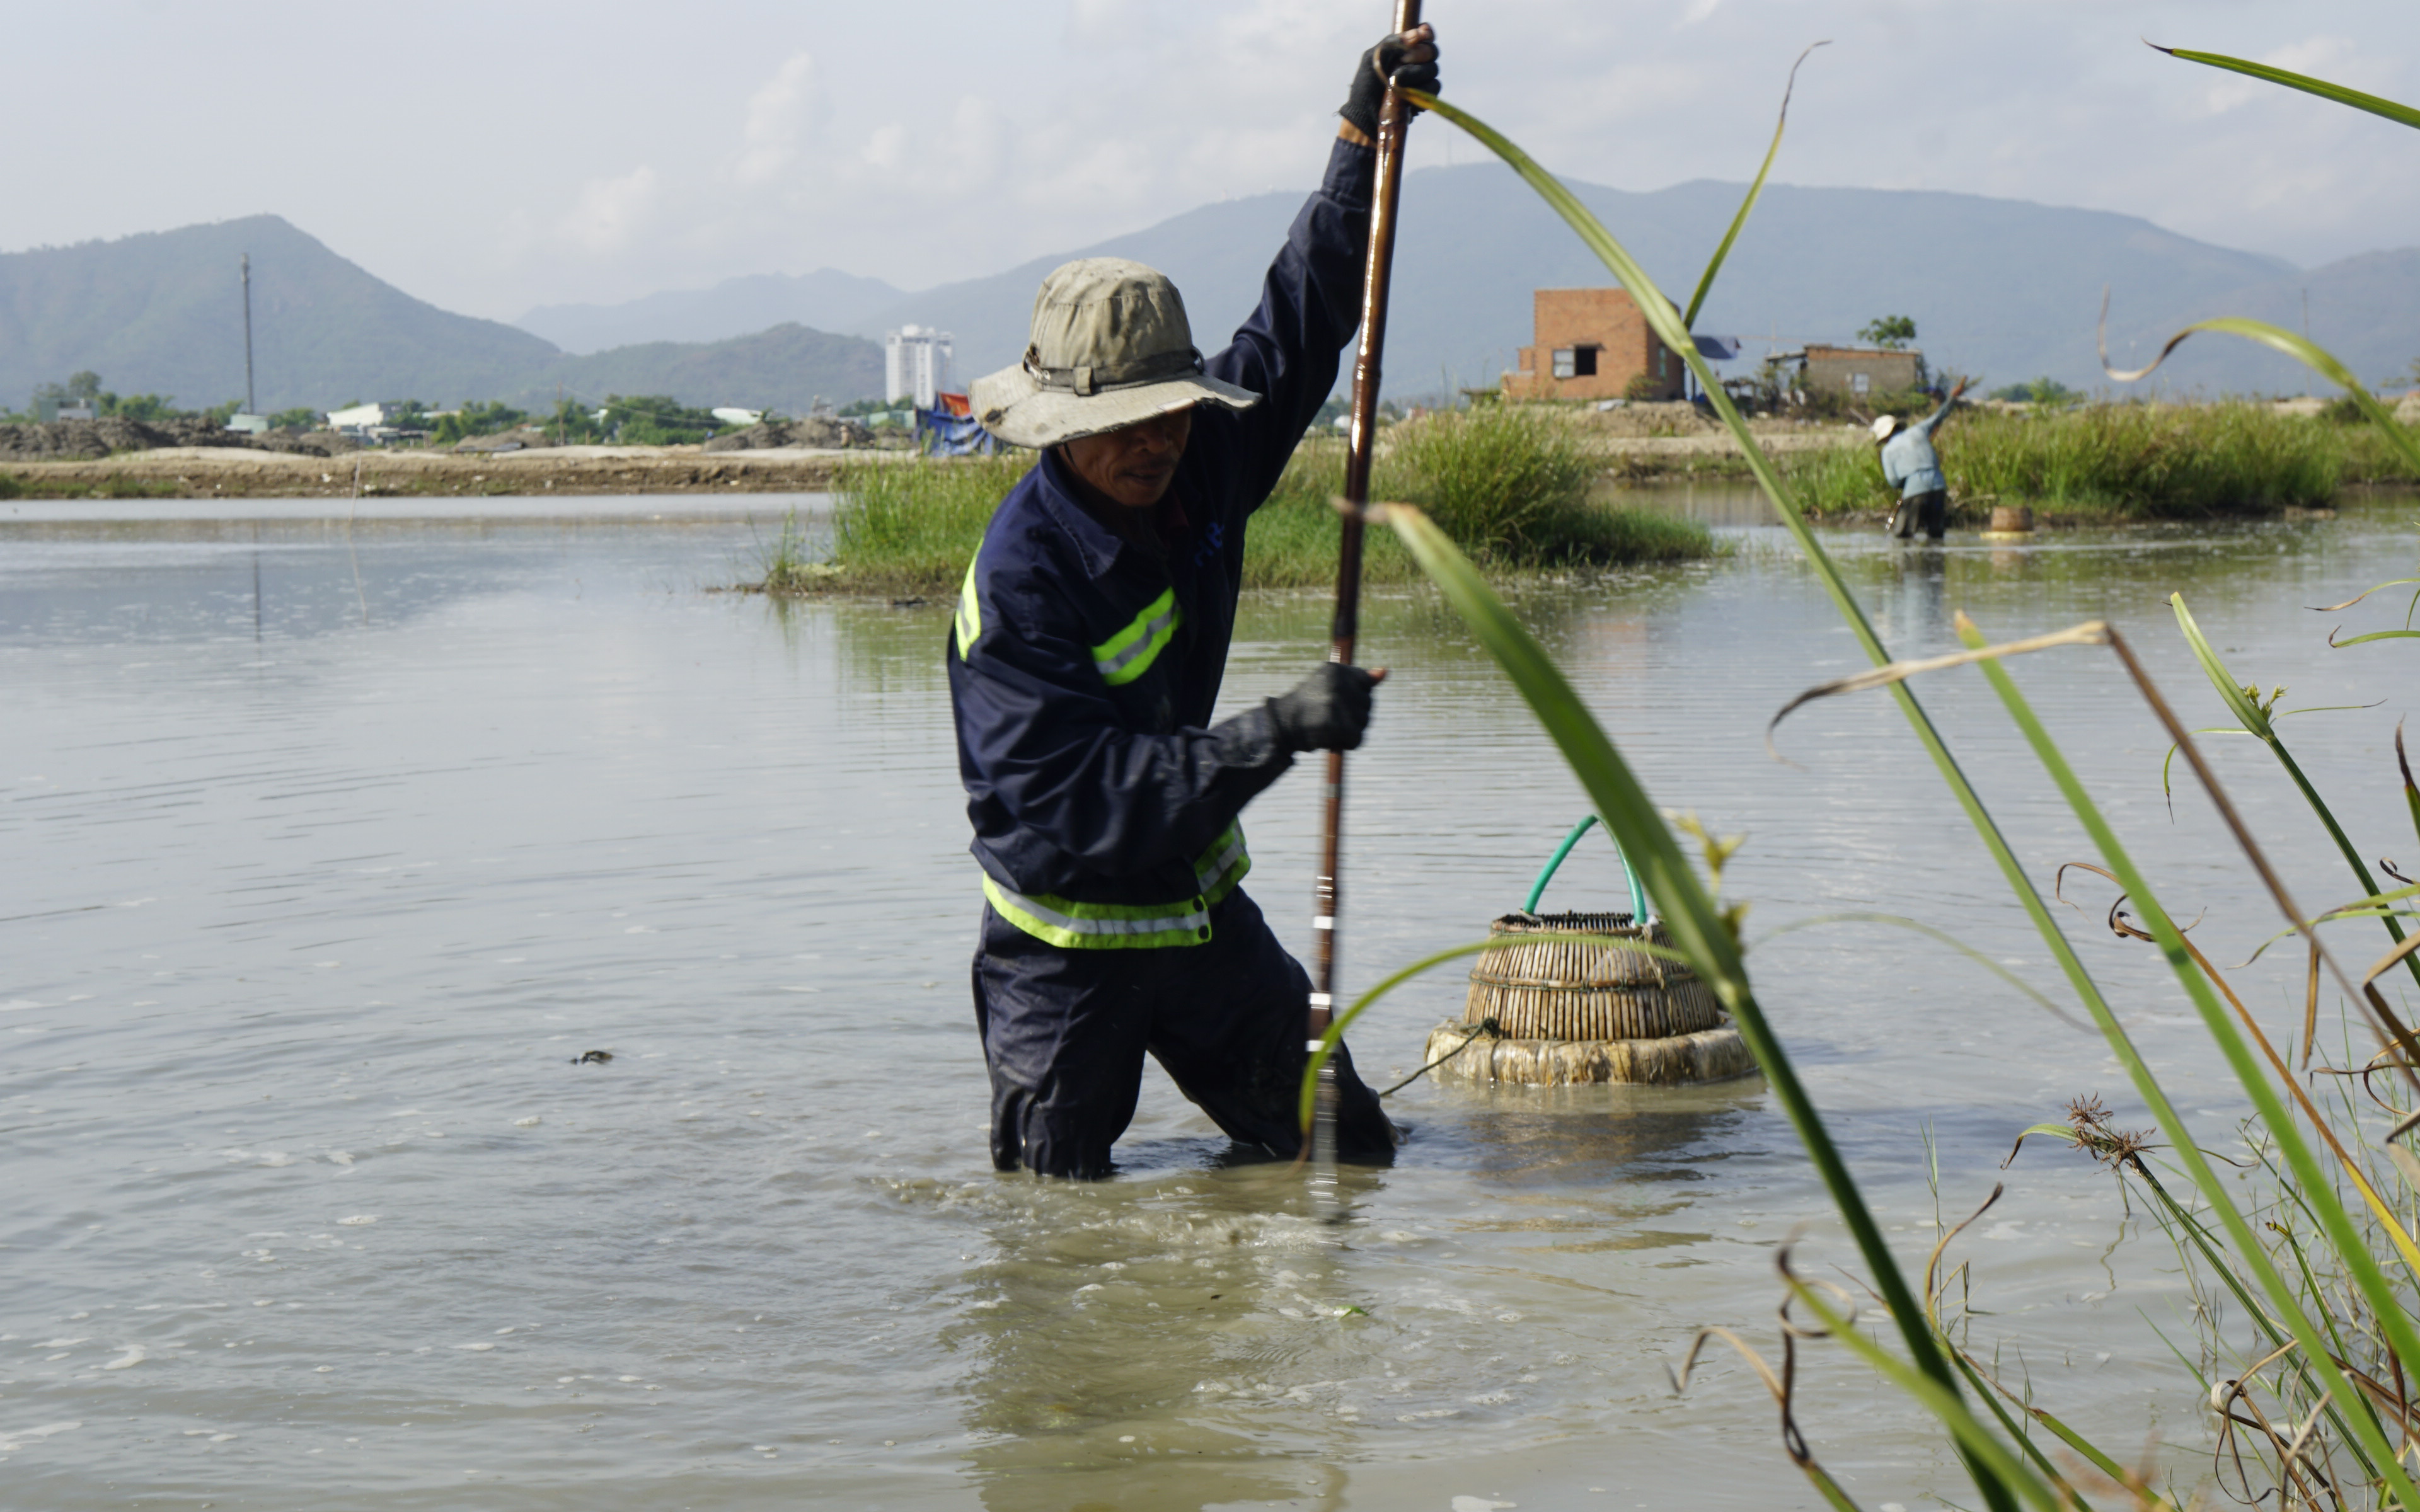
(72, 440)
(528, 438)
(69, 440)
(820, 432)
(306, 444)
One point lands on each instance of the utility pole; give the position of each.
(249, 407)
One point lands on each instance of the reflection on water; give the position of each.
(330, 855)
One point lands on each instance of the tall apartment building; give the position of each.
(916, 365)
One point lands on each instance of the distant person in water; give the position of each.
(1913, 467)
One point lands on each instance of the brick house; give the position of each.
(1857, 370)
(1592, 344)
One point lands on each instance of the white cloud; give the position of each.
(780, 116)
(611, 211)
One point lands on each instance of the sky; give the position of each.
(495, 156)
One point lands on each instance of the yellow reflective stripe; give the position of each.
(1224, 865)
(1075, 926)
(1127, 655)
(969, 619)
(1079, 926)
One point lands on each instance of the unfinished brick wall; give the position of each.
(1590, 344)
(1858, 370)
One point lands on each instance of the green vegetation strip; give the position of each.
(2120, 463)
(1508, 483)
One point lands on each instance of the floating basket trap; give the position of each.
(1554, 1011)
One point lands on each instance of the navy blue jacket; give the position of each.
(1083, 670)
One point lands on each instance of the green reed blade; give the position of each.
(1989, 1392)
(1944, 937)
(2401, 113)
(2274, 1115)
(1706, 280)
(1691, 916)
(2374, 635)
(2080, 1445)
(2240, 703)
(2411, 790)
(1941, 1400)
(1662, 320)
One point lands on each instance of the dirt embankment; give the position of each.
(80, 439)
(234, 473)
(1649, 430)
(1638, 440)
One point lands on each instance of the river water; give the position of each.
(333, 846)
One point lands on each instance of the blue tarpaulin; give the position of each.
(939, 433)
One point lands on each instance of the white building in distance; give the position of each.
(916, 365)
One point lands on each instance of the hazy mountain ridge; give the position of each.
(825, 300)
(2002, 288)
(162, 312)
(2005, 287)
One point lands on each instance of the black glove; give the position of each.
(1411, 64)
(1326, 711)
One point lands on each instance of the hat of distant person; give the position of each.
(1884, 426)
(1110, 347)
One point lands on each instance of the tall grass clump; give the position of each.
(1508, 483)
(1294, 538)
(2109, 463)
(916, 525)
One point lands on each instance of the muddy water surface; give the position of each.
(330, 852)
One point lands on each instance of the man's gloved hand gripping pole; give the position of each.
(1329, 710)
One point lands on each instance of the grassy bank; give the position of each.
(1509, 484)
(2114, 463)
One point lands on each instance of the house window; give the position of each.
(1860, 382)
(1567, 362)
(1584, 362)
(1659, 364)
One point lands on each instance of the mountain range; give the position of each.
(162, 312)
(2003, 288)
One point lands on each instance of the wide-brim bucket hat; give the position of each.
(1883, 425)
(1110, 346)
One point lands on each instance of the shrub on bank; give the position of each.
(2112, 462)
(1510, 485)
(915, 525)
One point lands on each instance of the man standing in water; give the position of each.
(1911, 466)
(1090, 641)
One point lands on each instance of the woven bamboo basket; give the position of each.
(1568, 1010)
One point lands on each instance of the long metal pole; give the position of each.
(1393, 117)
(249, 407)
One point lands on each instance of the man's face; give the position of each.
(1133, 465)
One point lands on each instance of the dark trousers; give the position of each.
(1929, 509)
(1065, 1033)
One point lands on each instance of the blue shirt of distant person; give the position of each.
(1913, 467)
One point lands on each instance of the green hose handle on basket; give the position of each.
(1637, 893)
